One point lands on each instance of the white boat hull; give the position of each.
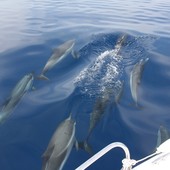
(158, 162)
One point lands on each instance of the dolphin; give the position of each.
(162, 136)
(17, 93)
(59, 54)
(120, 43)
(135, 78)
(98, 110)
(61, 145)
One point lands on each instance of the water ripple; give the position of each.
(45, 16)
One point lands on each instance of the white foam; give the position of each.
(104, 71)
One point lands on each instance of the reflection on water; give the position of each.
(27, 22)
(95, 88)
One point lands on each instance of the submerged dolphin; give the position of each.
(17, 93)
(61, 144)
(162, 136)
(98, 110)
(135, 77)
(59, 53)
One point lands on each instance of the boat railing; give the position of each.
(102, 152)
(127, 163)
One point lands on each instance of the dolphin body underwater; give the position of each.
(17, 93)
(60, 145)
(59, 54)
(135, 78)
(106, 96)
(98, 110)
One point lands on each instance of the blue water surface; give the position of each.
(31, 29)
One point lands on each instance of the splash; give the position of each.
(108, 59)
(102, 73)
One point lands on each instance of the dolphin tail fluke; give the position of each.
(42, 77)
(1, 120)
(3, 117)
(75, 54)
(136, 105)
(85, 146)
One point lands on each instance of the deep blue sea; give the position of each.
(31, 29)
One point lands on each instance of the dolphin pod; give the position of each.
(17, 93)
(59, 54)
(63, 139)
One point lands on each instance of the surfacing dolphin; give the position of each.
(59, 53)
(120, 42)
(60, 145)
(135, 78)
(17, 93)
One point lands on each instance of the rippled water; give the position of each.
(29, 32)
(31, 22)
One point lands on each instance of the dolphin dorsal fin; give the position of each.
(70, 116)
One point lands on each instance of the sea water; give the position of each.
(29, 32)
